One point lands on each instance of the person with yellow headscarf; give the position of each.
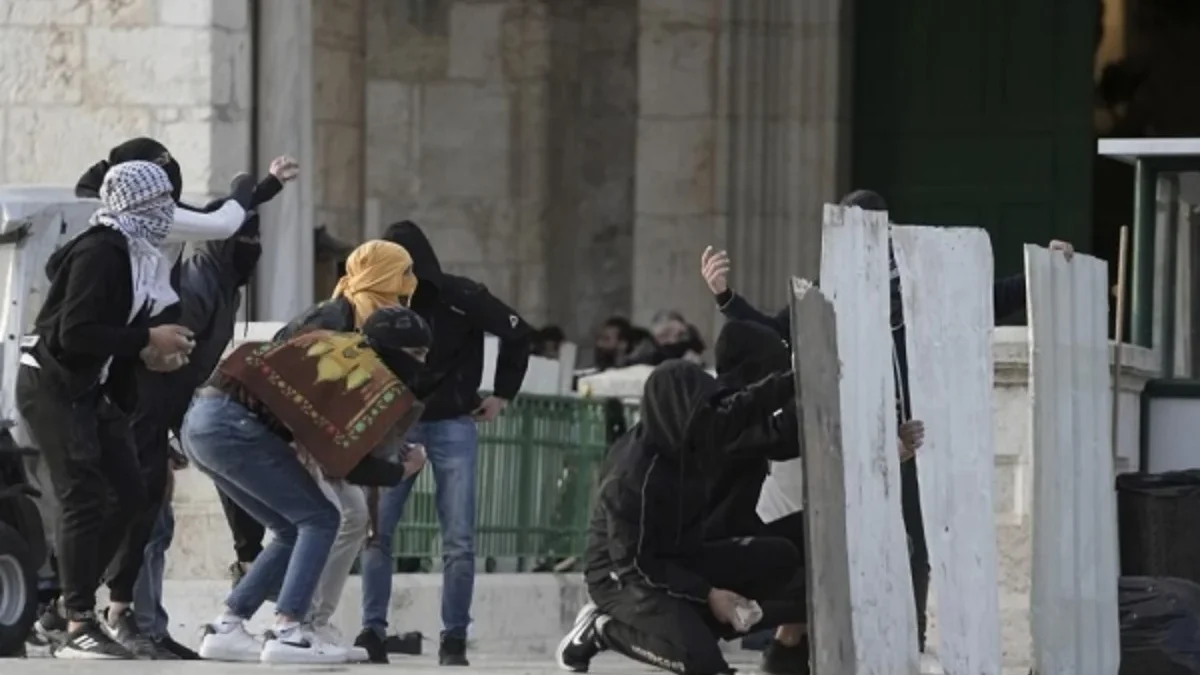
(379, 274)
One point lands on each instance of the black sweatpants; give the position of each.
(248, 533)
(680, 635)
(148, 427)
(918, 555)
(94, 469)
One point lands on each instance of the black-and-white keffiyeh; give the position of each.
(137, 202)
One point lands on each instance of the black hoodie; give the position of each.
(84, 320)
(649, 515)
(746, 353)
(459, 311)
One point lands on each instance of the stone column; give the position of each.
(593, 121)
(678, 146)
(285, 125)
(740, 143)
(785, 158)
(456, 135)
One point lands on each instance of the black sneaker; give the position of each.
(780, 659)
(453, 651)
(375, 646)
(181, 653)
(91, 643)
(124, 630)
(582, 643)
(51, 628)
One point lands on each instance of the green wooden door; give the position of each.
(978, 112)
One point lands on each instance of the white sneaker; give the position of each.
(330, 634)
(301, 645)
(230, 642)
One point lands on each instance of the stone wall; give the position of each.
(456, 135)
(79, 76)
(339, 50)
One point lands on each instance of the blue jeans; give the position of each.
(452, 447)
(148, 591)
(261, 473)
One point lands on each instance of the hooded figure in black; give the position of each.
(746, 353)
(664, 594)
(1008, 298)
(460, 312)
(210, 283)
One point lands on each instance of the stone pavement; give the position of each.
(417, 665)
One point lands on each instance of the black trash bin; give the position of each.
(1158, 518)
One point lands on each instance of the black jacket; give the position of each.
(459, 311)
(649, 515)
(210, 296)
(85, 318)
(746, 353)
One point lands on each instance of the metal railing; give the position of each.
(539, 465)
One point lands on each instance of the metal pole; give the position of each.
(1170, 274)
(1141, 310)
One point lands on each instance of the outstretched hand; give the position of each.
(714, 267)
(285, 168)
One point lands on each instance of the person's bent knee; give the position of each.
(356, 520)
(325, 517)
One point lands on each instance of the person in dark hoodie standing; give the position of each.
(663, 593)
(76, 384)
(1008, 299)
(459, 311)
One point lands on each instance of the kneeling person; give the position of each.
(271, 415)
(663, 595)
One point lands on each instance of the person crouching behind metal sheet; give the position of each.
(662, 593)
(336, 397)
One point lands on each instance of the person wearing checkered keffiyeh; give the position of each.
(137, 202)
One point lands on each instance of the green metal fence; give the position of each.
(538, 469)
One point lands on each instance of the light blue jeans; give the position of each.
(152, 619)
(452, 447)
(261, 473)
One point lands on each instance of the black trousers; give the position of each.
(918, 556)
(682, 636)
(149, 428)
(94, 469)
(247, 532)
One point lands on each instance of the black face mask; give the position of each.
(401, 363)
(245, 259)
(604, 358)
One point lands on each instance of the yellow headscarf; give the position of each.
(378, 274)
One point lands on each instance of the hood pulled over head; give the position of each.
(149, 150)
(672, 395)
(747, 352)
(393, 332)
(424, 261)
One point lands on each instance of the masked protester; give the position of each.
(460, 311)
(210, 285)
(662, 593)
(272, 421)
(218, 221)
(378, 275)
(1008, 299)
(76, 387)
